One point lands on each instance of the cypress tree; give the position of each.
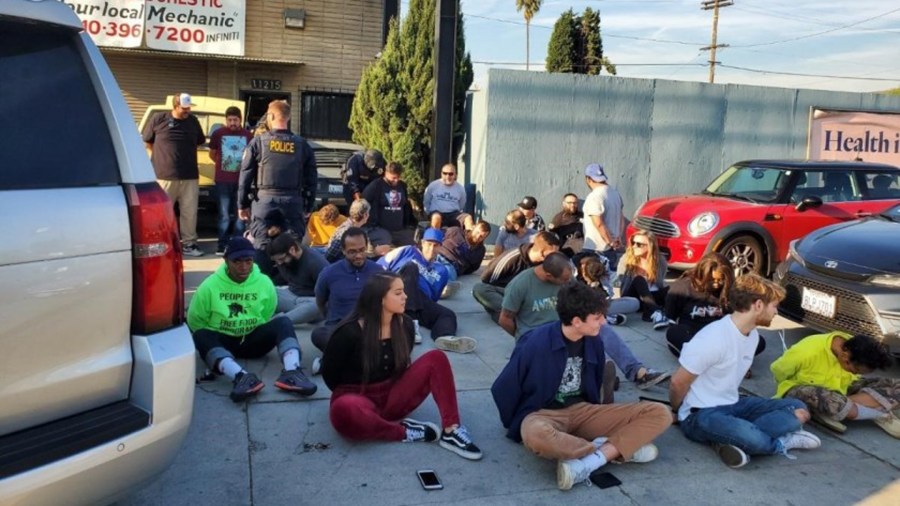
(576, 46)
(561, 49)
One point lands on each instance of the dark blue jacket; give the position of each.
(531, 379)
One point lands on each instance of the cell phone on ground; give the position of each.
(604, 480)
(429, 479)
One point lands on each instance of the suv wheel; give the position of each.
(745, 254)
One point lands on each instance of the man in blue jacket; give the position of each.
(548, 395)
(424, 280)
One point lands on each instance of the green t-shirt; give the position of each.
(533, 301)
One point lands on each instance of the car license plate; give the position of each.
(818, 302)
(335, 189)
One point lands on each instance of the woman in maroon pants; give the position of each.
(374, 382)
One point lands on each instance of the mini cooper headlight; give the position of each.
(703, 223)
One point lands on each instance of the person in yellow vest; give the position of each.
(824, 371)
(322, 225)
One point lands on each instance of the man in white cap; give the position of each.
(604, 220)
(172, 138)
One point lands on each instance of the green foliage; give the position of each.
(528, 8)
(893, 91)
(393, 107)
(561, 49)
(576, 45)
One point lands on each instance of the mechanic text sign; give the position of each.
(192, 26)
(848, 135)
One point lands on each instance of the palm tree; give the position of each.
(531, 7)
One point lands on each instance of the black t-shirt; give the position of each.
(301, 275)
(567, 226)
(570, 390)
(466, 259)
(691, 308)
(175, 141)
(389, 205)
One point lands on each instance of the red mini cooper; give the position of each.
(753, 210)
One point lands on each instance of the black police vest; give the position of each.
(281, 161)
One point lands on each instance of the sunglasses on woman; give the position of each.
(636, 244)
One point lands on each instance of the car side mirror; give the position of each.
(809, 202)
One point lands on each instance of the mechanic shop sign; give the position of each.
(191, 26)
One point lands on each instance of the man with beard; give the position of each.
(568, 226)
(300, 266)
(339, 285)
(464, 250)
(704, 390)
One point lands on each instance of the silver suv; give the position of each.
(96, 362)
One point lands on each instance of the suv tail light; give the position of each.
(158, 275)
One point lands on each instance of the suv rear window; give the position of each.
(55, 134)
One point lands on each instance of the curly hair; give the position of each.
(579, 300)
(868, 352)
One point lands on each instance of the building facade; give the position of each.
(309, 52)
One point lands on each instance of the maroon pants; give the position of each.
(367, 412)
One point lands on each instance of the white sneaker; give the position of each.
(191, 250)
(418, 337)
(316, 367)
(659, 320)
(644, 454)
(800, 439)
(458, 344)
(890, 424)
(570, 472)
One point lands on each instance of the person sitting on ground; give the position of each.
(339, 285)
(568, 225)
(359, 215)
(699, 298)
(704, 391)
(391, 217)
(642, 274)
(513, 233)
(533, 220)
(322, 225)
(530, 298)
(463, 251)
(593, 270)
(824, 371)
(548, 395)
(425, 280)
(502, 269)
(231, 315)
(445, 200)
(374, 382)
(300, 266)
(536, 299)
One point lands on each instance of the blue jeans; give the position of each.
(753, 424)
(227, 195)
(619, 352)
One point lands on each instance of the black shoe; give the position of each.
(419, 432)
(732, 456)
(295, 381)
(459, 442)
(246, 385)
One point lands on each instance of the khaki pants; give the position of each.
(563, 434)
(186, 192)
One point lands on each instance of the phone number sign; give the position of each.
(192, 26)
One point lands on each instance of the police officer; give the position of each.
(278, 171)
(361, 168)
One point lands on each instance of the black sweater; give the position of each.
(342, 363)
(692, 308)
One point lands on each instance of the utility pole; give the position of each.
(444, 72)
(714, 5)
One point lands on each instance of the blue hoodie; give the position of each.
(433, 277)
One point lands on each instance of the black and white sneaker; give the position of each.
(651, 378)
(732, 456)
(659, 320)
(616, 319)
(459, 442)
(419, 432)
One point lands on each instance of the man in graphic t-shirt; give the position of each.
(226, 147)
(530, 298)
(548, 395)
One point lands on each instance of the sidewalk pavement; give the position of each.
(280, 449)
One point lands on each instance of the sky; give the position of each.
(770, 42)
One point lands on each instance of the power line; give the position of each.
(483, 62)
(799, 74)
(843, 27)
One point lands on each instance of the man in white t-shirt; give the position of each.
(704, 390)
(604, 220)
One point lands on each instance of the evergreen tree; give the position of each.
(393, 107)
(576, 45)
(561, 49)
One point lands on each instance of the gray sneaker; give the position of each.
(191, 250)
(458, 344)
(800, 439)
(651, 378)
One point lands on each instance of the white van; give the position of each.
(96, 362)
